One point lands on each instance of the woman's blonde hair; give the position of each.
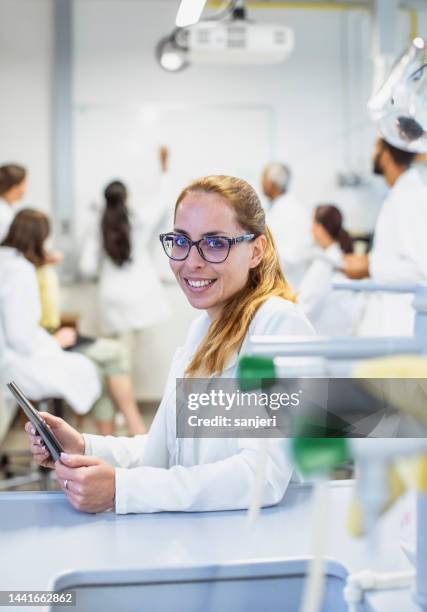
(226, 334)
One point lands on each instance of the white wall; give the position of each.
(25, 103)
(317, 97)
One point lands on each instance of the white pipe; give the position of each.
(313, 592)
(259, 482)
(367, 580)
(387, 448)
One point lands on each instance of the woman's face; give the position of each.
(209, 285)
(17, 193)
(321, 236)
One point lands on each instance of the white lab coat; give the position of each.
(332, 313)
(28, 354)
(130, 297)
(289, 222)
(399, 254)
(6, 217)
(160, 472)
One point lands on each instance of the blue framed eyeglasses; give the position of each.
(213, 249)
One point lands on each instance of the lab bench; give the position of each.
(45, 544)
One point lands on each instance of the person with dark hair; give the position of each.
(13, 186)
(26, 241)
(399, 252)
(28, 353)
(328, 229)
(130, 295)
(116, 224)
(331, 313)
(393, 164)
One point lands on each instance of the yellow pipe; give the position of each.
(277, 4)
(414, 30)
(320, 6)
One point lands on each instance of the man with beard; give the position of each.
(399, 251)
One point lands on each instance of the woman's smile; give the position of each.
(199, 285)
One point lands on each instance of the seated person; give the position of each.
(13, 187)
(332, 313)
(34, 358)
(224, 259)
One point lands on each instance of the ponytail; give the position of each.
(115, 224)
(345, 241)
(330, 217)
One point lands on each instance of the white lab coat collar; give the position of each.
(7, 253)
(4, 205)
(334, 254)
(197, 335)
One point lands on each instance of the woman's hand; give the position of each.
(54, 257)
(72, 441)
(88, 482)
(66, 337)
(356, 266)
(164, 158)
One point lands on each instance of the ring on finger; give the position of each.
(65, 484)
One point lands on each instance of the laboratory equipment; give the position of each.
(399, 107)
(317, 456)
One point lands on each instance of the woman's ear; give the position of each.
(258, 248)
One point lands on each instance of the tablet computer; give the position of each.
(45, 432)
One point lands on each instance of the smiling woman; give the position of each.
(235, 285)
(219, 265)
(225, 261)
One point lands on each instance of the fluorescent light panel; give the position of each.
(189, 12)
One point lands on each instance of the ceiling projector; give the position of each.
(227, 38)
(239, 41)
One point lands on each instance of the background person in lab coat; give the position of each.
(28, 354)
(130, 295)
(13, 186)
(223, 257)
(332, 313)
(288, 221)
(27, 234)
(399, 251)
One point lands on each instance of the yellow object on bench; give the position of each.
(406, 389)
